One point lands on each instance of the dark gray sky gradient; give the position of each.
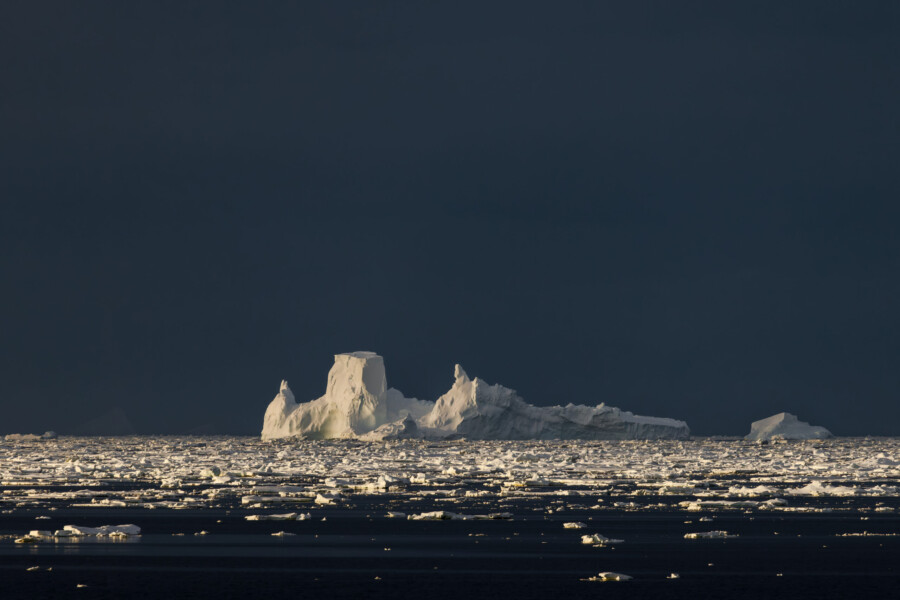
(681, 209)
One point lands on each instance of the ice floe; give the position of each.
(282, 517)
(708, 535)
(444, 515)
(78, 531)
(610, 576)
(595, 539)
(266, 480)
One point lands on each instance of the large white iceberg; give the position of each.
(358, 404)
(356, 401)
(785, 426)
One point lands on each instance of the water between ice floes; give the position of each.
(732, 519)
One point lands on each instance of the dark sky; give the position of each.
(681, 209)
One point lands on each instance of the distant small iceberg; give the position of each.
(785, 426)
(30, 437)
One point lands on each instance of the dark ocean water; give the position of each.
(359, 553)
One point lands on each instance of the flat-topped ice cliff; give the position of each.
(358, 404)
(356, 401)
(785, 426)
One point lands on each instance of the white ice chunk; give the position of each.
(705, 535)
(817, 488)
(281, 517)
(595, 539)
(81, 530)
(610, 576)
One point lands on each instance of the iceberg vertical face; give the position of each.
(358, 404)
(785, 426)
(357, 385)
(356, 401)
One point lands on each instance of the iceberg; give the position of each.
(785, 426)
(356, 402)
(358, 405)
(476, 410)
(30, 437)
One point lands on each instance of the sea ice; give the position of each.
(466, 478)
(282, 517)
(596, 539)
(80, 530)
(706, 535)
(610, 576)
(817, 488)
(443, 515)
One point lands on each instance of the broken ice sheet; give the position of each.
(278, 477)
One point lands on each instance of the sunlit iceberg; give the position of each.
(358, 404)
(785, 426)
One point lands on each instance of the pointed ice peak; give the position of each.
(460, 374)
(285, 392)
